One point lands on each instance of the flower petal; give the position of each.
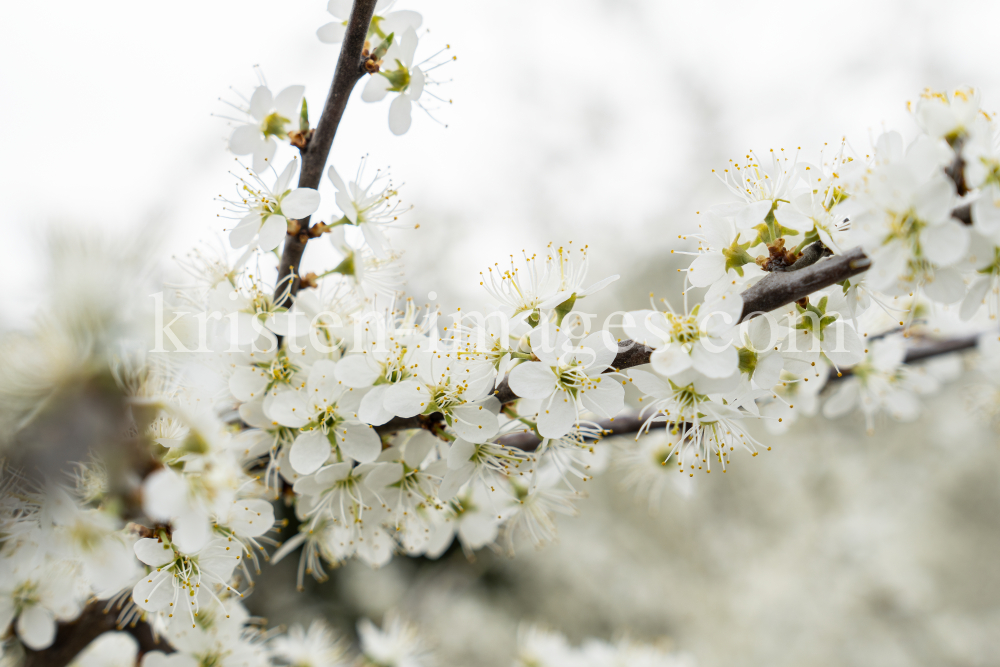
(153, 552)
(261, 102)
(399, 115)
(532, 379)
(272, 232)
(557, 415)
(376, 88)
(332, 33)
(245, 140)
(310, 450)
(300, 203)
(753, 214)
(287, 101)
(359, 441)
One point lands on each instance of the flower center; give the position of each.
(273, 125)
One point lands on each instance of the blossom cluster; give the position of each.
(390, 428)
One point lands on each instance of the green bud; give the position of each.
(304, 117)
(380, 50)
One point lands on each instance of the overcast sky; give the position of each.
(586, 120)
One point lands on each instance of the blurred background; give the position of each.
(597, 122)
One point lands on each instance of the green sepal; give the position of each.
(399, 77)
(274, 125)
(564, 308)
(771, 230)
(748, 360)
(736, 256)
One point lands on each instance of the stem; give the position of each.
(73, 637)
(350, 68)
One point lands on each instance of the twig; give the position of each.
(350, 68)
(73, 637)
(632, 422)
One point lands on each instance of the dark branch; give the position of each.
(350, 68)
(780, 289)
(73, 637)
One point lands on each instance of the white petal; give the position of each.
(359, 441)
(975, 298)
(154, 591)
(384, 474)
(247, 383)
(842, 345)
(454, 479)
(671, 359)
(36, 626)
(945, 244)
(310, 450)
(399, 21)
(261, 102)
(376, 240)
(789, 216)
(648, 327)
(557, 415)
(762, 333)
(407, 399)
(376, 88)
(599, 350)
(300, 203)
(706, 269)
(335, 178)
(244, 233)
(768, 370)
(946, 287)
(753, 214)
(342, 8)
(408, 46)
(460, 453)
(713, 362)
(192, 531)
(244, 140)
(288, 408)
(153, 552)
(332, 33)
(287, 102)
(842, 400)
(475, 423)
(416, 86)
(399, 115)
(532, 379)
(272, 232)
(251, 517)
(417, 448)
(649, 384)
(606, 397)
(284, 181)
(355, 371)
(264, 154)
(372, 410)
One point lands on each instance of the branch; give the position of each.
(350, 68)
(73, 637)
(632, 422)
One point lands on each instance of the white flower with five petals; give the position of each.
(568, 378)
(265, 212)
